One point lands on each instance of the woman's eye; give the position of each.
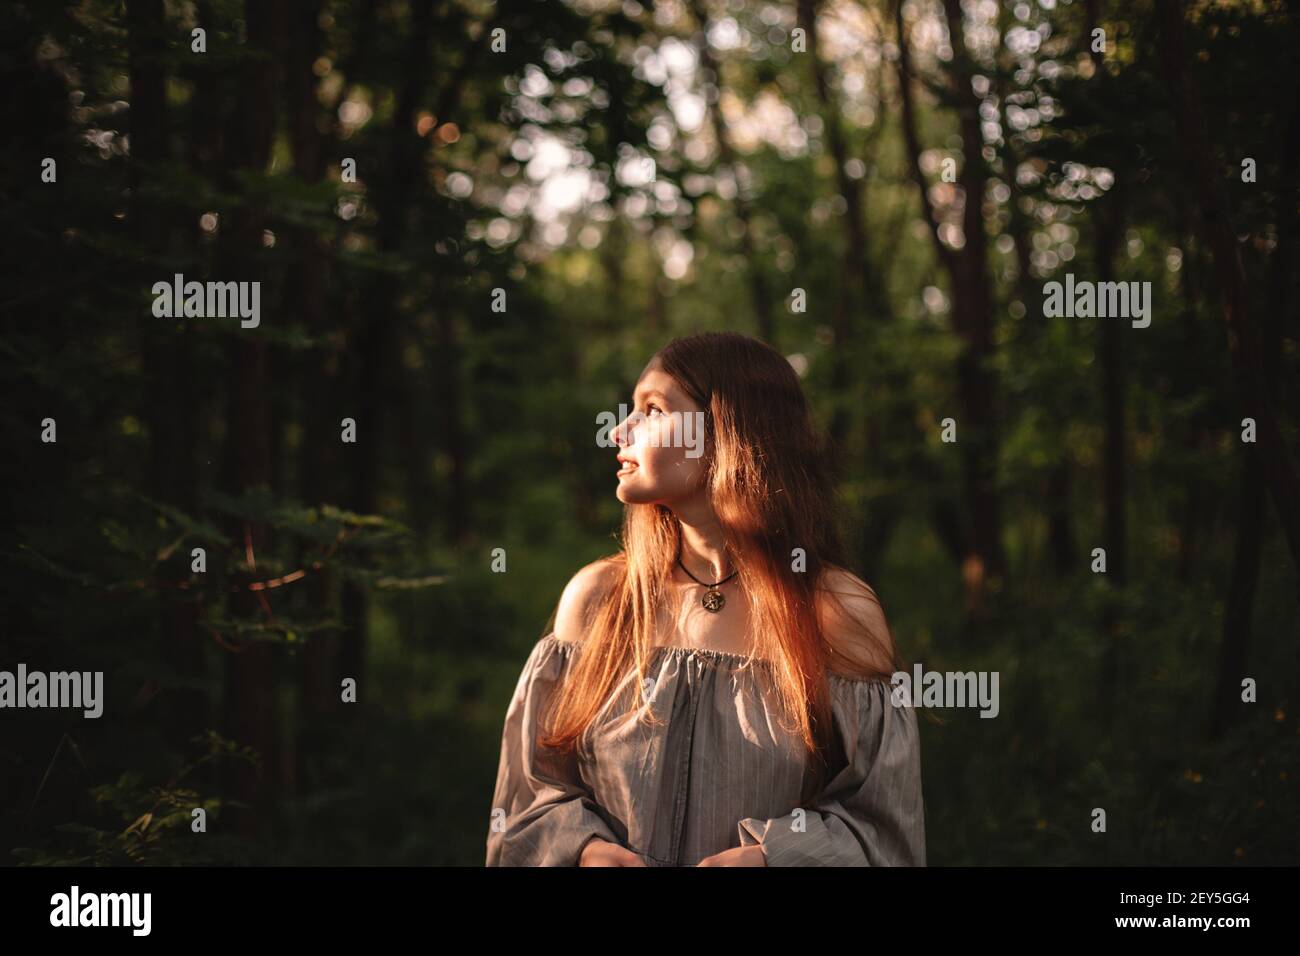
(653, 408)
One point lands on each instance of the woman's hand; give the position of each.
(600, 852)
(737, 856)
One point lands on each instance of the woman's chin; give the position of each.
(628, 493)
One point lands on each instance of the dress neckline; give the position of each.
(682, 651)
(685, 651)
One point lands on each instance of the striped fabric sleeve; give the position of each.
(542, 812)
(871, 812)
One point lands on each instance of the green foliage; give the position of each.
(133, 822)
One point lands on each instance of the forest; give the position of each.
(312, 308)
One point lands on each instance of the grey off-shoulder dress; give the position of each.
(719, 772)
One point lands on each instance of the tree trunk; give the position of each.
(760, 298)
(167, 360)
(317, 375)
(1061, 542)
(1109, 225)
(1245, 340)
(392, 191)
(1239, 607)
(967, 269)
(251, 702)
(861, 293)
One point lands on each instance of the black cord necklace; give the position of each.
(713, 600)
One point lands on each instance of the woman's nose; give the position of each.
(623, 431)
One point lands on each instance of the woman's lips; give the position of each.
(627, 469)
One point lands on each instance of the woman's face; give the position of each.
(660, 444)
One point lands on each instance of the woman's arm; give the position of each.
(542, 812)
(871, 813)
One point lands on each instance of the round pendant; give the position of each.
(713, 601)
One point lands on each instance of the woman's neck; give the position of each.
(703, 551)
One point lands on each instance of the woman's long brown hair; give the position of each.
(773, 495)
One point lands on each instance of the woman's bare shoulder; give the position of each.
(853, 621)
(582, 595)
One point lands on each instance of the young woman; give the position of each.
(717, 693)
